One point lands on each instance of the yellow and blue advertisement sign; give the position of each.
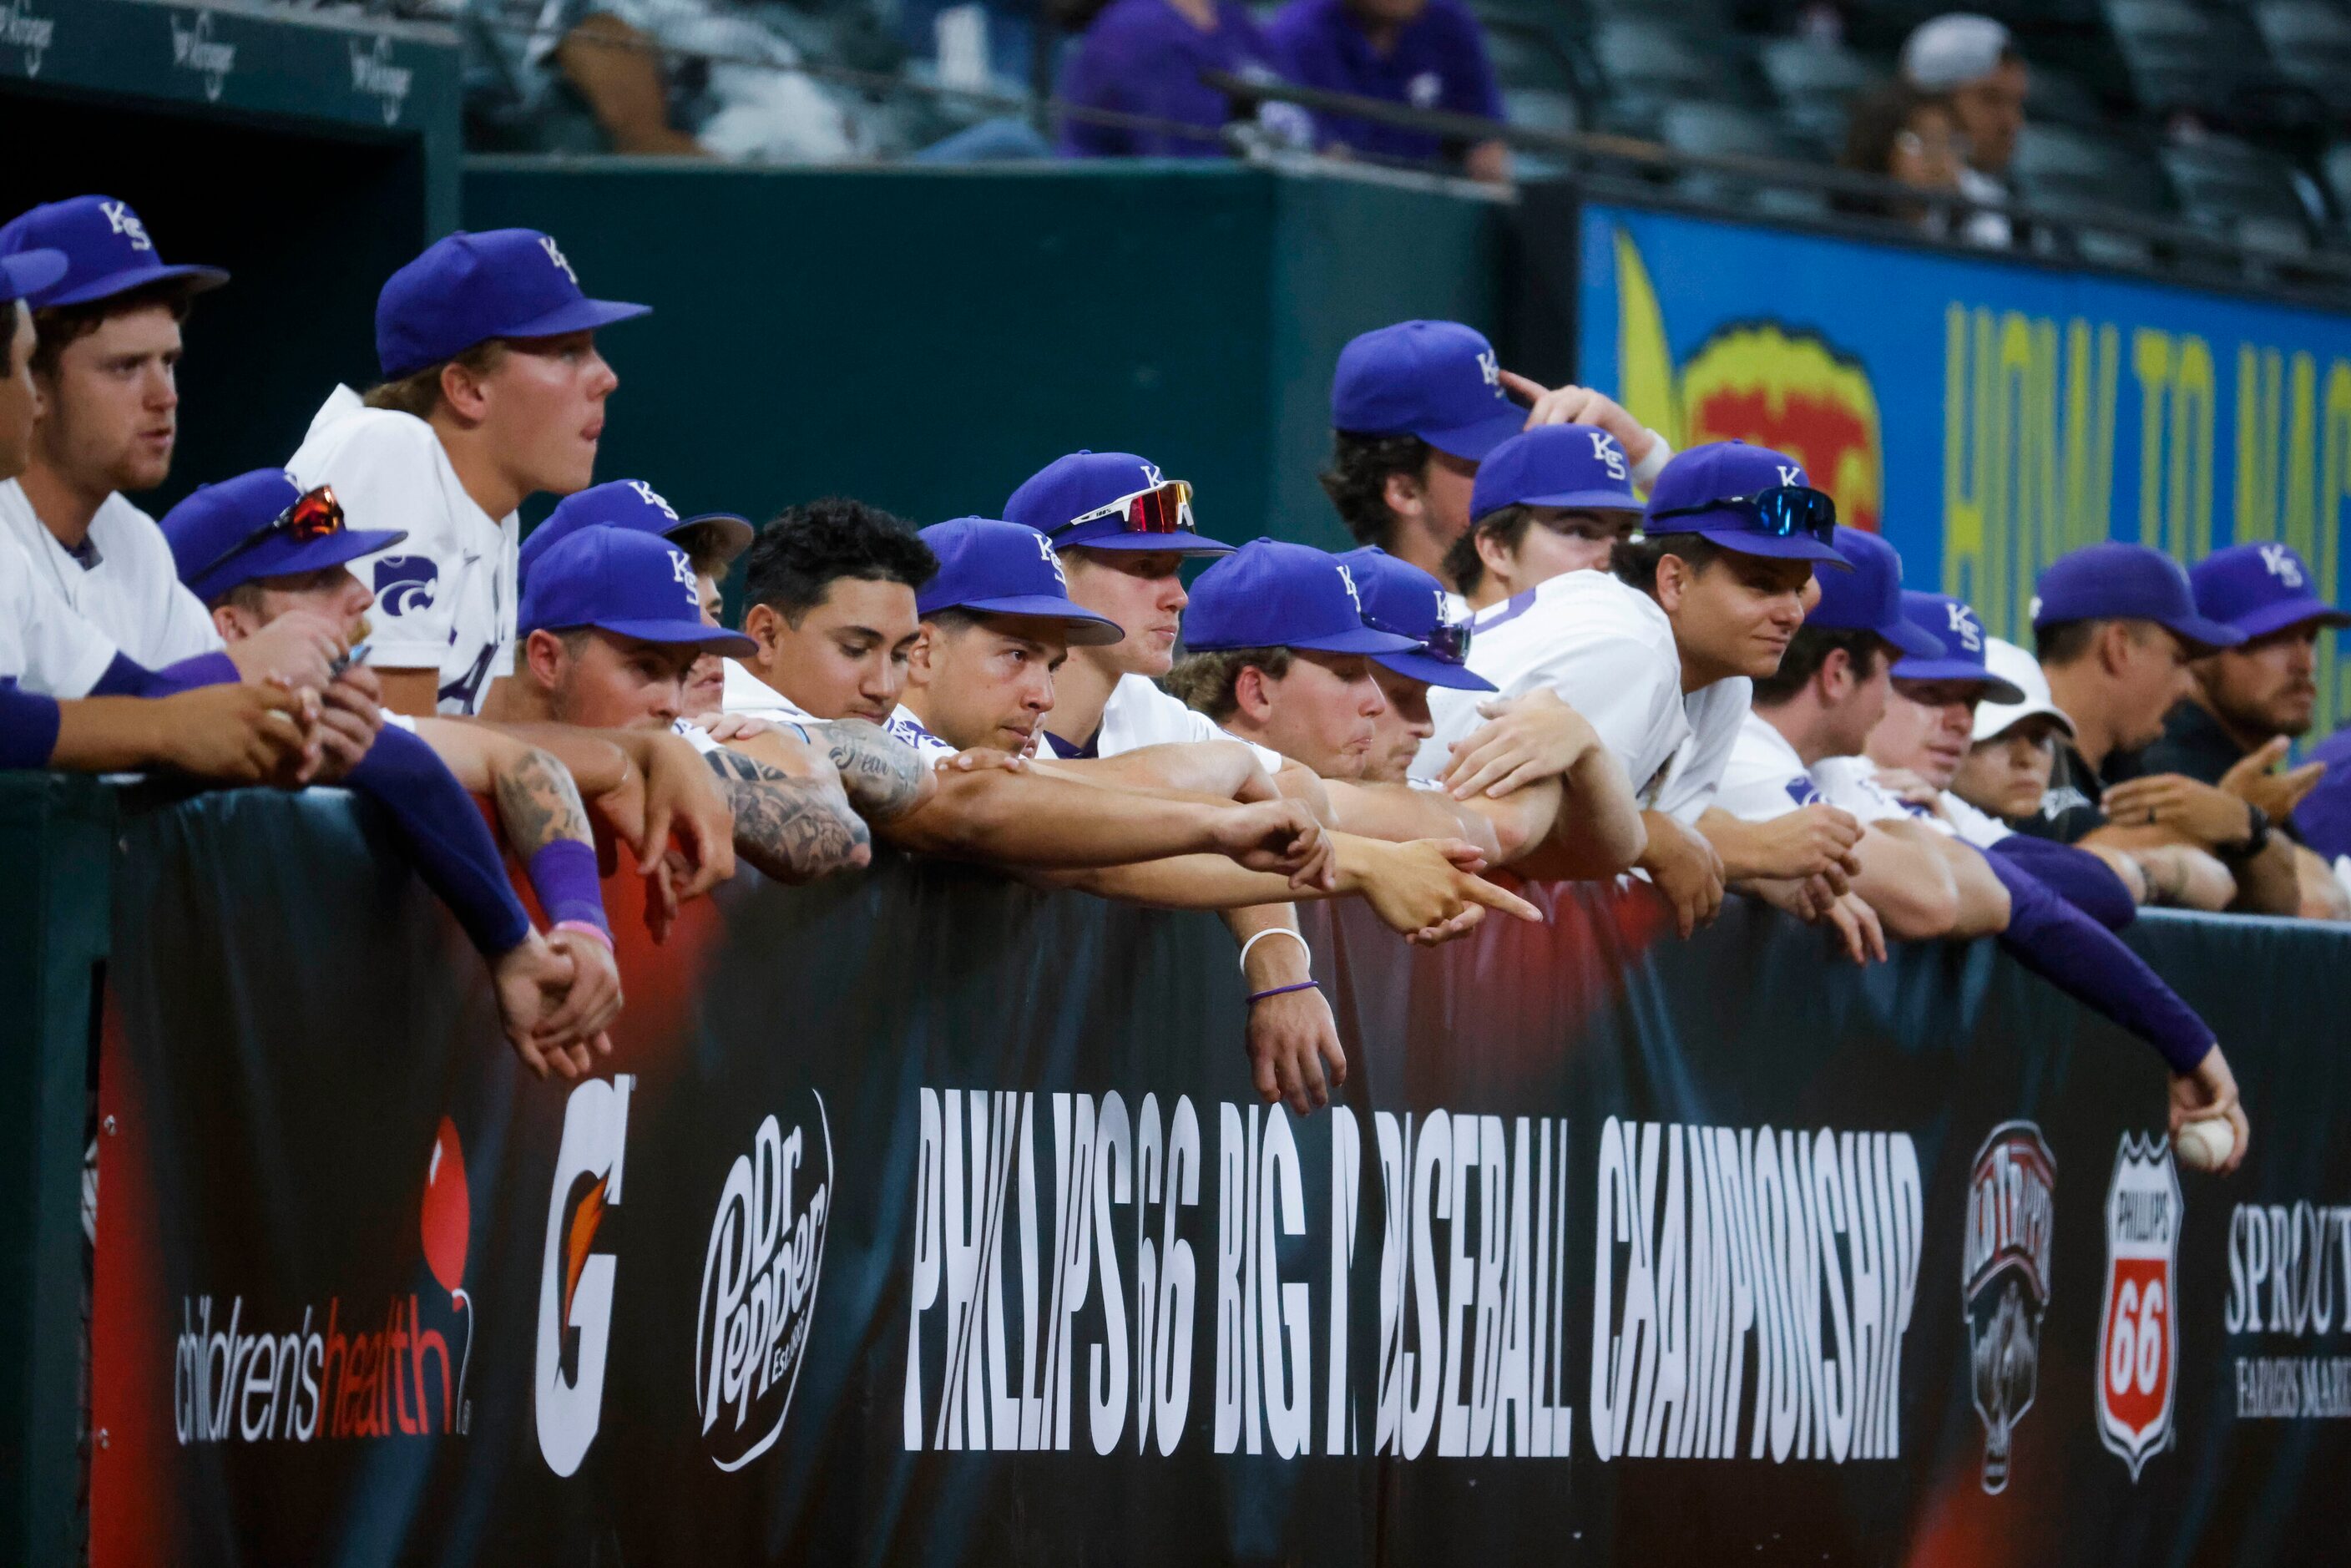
(1986, 416)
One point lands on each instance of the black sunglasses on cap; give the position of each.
(1447, 640)
(1784, 511)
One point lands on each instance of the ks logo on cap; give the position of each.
(125, 221)
(2139, 1331)
(1349, 579)
(2281, 565)
(1965, 627)
(547, 243)
(1606, 452)
(652, 498)
(1789, 474)
(1490, 368)
(1045, 548)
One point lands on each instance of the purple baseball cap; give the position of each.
(1746, 498)
(1438, 380)
(467, 288)
(627, 583)
(235, 532)
(1089, 486)
(2257, 588)
(1268, 594)
(2118, 581)
(1945, 619)
(630, 504)
(1870, 596)
(108, 251)
(27, 272)
(1576, 465)
(1399, 597)
(994, 568)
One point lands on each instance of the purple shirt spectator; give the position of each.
(1436, 60)
(1144, 57)
(2323, 818)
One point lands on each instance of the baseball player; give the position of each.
(829, 605)
(256, 547)
(104, 358)
(2114, 626)
(1417, 407)
(1659, 654)
(493, 391)
(711, 540)
(1555, 498)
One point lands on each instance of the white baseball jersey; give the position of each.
(1765, 777)
(1608, 651)
(45, 646)
(1138, 713)
(445, 597)
(123, 582)
(1852, 782)
(904, 725)
(747, 692)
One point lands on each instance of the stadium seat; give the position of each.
(1524, 59)
(2211, 63)
(1816, 84)
(2063, 167)
(2058, 96)
(1645, 66)
(1722, 129)
(2236, 191)
(2311, 44)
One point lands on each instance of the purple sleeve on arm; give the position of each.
(2075, 875)
(124, 678)
(563, 874)
(28, 727)
(450, 843)
(2090, 964)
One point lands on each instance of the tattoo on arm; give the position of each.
(539, 803)
(791, 829)
(883, 775)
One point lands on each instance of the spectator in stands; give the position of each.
(1416, 408)
(2006, 771)
(1903, 134)
(493, 391)
(1791, 774)
(1973, 61)
(1144, 58)
(104, 365)
(1556, 498)
(711, 540)
(1421, 54)
(2114, 627)
(2248, 704)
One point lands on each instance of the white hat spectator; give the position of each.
(2021, 669)
(1953, 50)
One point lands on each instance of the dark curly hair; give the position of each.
(1634, 561)
(1357, 481)
(798, 556)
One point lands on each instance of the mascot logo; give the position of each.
(1767, 382)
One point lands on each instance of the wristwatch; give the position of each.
(2256, 839)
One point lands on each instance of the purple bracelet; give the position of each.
(1256, 996)
(563, 874)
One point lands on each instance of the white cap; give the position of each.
(2021, 670)
(1953, 50)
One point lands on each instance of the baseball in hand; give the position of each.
(2204, 1144)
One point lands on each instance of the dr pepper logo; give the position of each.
(2139, 1331)
(2012, 1212)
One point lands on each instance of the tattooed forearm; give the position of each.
(883, 776)
(789, 829)
(539, 803)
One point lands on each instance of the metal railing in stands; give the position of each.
(2317, 274)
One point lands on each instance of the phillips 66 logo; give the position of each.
(2139, 1332)
(758, 1286)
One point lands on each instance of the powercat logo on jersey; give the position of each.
(2285, 1265)
(1807, 1240)
(2004, 1280)
(760, 1278)
(2139, 1331)
(575, 1282)
(327, 1375)
(193, 48)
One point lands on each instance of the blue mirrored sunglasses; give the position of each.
(1784, 511)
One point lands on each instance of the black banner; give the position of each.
(921, 1218)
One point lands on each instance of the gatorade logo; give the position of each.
(575, 1282)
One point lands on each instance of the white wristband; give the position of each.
(1646, 472)
(1272, 931)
